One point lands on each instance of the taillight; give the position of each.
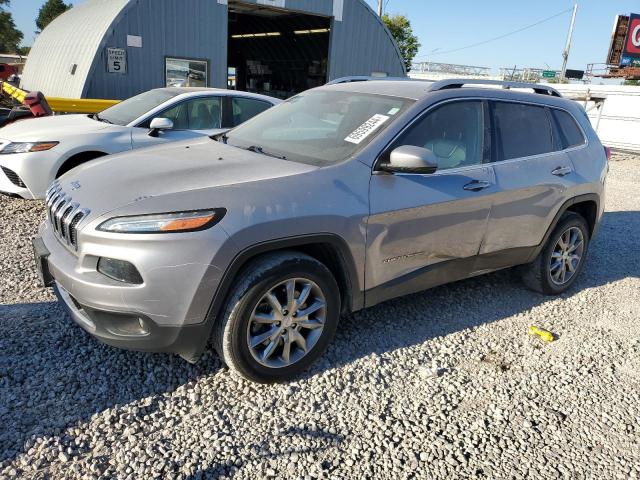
(607, 150)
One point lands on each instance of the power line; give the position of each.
(501, 36)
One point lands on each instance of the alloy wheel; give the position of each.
(286, 323)
(566, 256)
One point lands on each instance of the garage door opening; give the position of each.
(276, 52)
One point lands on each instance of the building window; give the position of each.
(181, 72)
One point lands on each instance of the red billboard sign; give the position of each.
(631, 52)
(633, 36)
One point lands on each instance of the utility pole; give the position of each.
(380, 8)
(567, 48)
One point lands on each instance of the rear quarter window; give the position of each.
(521, 130)
(569, 132)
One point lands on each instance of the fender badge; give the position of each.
(75, 185)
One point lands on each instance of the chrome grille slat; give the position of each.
(64, 215)
(67, 217)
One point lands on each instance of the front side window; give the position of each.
(521, 130)
(129, 110)
(245, 108)
(568, 130)
(196, 114)
(181, 72)
(454, 132)
(319, 127)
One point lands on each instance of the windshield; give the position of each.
(127, 111)
(318, 127)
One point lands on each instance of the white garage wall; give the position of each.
(619, 125)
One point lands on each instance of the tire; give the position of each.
(544, 278)
(250, 315)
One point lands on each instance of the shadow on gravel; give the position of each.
(314, 441)
(42, 351)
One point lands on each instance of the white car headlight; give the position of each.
(26, 147)
(164, 222)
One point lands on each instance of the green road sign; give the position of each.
(549, 74)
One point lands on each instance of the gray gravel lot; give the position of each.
(443, 384)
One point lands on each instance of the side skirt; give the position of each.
(447, 272)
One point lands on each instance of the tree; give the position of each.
(10, 36)
(51, 10)
(400, 28)
(635, 83)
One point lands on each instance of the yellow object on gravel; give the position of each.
(545, 335)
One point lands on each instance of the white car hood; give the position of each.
(52, 128)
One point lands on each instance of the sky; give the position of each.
(443, 26)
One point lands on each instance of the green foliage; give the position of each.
(49, 12)
(10, 36)
(400, 28)
(635, 83)
(23, 51)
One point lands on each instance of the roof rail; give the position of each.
(364, 78)
(459, 83)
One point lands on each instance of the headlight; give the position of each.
(164, 222)
(26, 147)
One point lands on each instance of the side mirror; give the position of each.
(411, 159)
(159, 124)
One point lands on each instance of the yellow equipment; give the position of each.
(63, 105)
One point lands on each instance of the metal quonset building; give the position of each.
(115, 49)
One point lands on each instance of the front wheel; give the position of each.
(281, 315)
(557, 267)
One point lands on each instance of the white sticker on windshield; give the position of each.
(393, 111)
(366, 129)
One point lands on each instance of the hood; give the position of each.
(50, 128)
(118, 180)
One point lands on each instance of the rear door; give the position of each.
(532, 174)
(426, 229)
(240, 109)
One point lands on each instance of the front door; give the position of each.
(426, 229)
(192, 118)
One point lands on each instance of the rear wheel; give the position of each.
(281, 315)
(557, 267)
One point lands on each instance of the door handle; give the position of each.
(561, 171)
(476, 185)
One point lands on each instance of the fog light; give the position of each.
(119, 270)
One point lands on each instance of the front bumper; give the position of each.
(36, 170)
(168, 312)
(133, 331)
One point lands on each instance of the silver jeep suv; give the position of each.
(343, 197)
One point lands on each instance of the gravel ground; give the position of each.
(443, 384)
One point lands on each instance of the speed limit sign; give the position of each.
(116, 60)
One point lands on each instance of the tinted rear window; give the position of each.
(568, 130)
(521, 130)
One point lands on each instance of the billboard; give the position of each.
(631, 52)
(618, 37)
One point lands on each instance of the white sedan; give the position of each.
(35, 152)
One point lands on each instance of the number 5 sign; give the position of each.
(116, 60)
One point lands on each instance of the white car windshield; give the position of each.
(127, 111)
(318, 127)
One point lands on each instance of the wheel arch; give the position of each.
(329, 249)
(78, 159)
(587, 205)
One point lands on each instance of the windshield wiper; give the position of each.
(217, 137)
(100, 119)
(259, 149)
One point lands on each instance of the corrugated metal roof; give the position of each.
(71, 39)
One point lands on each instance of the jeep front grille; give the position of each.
(64, 215)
